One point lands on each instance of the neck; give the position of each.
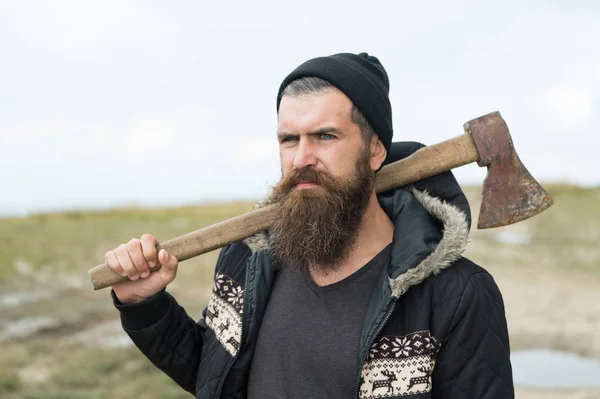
(374, 234)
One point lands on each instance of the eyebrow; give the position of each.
(324, 130)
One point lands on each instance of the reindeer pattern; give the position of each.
(399, 366)
(385, 383)
(224, 313)
(223, 327)
(424, 379)
(210, 316)
(405, 380)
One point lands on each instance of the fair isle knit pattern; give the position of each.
(224, 313)
(399, 366)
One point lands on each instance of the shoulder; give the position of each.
(462, 282)
(464, 294)
(232, 261)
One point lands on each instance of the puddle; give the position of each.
(508, 237)
(550, 369)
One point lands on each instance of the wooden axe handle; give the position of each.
(426, 162)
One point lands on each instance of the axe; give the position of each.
(510, 193)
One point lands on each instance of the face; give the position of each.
(317, 131)
(327, 182)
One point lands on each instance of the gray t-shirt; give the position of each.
(308, 342)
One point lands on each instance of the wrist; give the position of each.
(129, 299)
(139, 315)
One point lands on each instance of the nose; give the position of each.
(305, 155)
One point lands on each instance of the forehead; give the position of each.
(311, 111)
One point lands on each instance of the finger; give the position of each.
(134, 247)
(126, 262)
(111, 260)
(149, 249)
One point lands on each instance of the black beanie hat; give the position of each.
(360, 77)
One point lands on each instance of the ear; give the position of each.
(378, 153)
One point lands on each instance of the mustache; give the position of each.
(305, 175)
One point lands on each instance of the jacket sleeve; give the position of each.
(474, 360)
(163, 331)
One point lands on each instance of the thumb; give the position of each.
(168, 263)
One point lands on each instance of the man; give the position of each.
(350, 294)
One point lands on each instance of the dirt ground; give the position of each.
(547, 272)
(552, 309)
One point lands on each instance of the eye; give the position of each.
(288, 139)
(326, 136)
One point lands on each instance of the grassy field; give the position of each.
(60, 339)
(48, 256)
(563, 238)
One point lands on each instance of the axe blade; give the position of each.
(510, 193)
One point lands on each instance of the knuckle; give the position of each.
(147, 236)
(120, 252)
(150, 256)
(148, 248)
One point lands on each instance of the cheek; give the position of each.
(286, 157)
(340, 163)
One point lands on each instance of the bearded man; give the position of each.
(349, 294)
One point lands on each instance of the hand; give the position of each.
(134, 260)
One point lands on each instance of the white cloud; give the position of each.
(146, 139)
(567, 107)
(597, 73)
(74, 24)
(183, 93)
(259, 148)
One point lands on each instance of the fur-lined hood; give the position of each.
(429, 236)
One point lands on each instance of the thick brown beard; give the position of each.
(318, 227)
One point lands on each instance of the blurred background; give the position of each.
(119, 118)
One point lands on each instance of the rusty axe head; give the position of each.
(510, 193)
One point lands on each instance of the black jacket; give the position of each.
(435, 324)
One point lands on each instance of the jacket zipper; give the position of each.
(244, 325)
(364, 356)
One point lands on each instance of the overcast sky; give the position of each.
(112, 102)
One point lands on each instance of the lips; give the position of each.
(305, 185)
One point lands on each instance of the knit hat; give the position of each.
(360, 77)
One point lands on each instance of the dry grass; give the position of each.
(50, 255)
(563, 238)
